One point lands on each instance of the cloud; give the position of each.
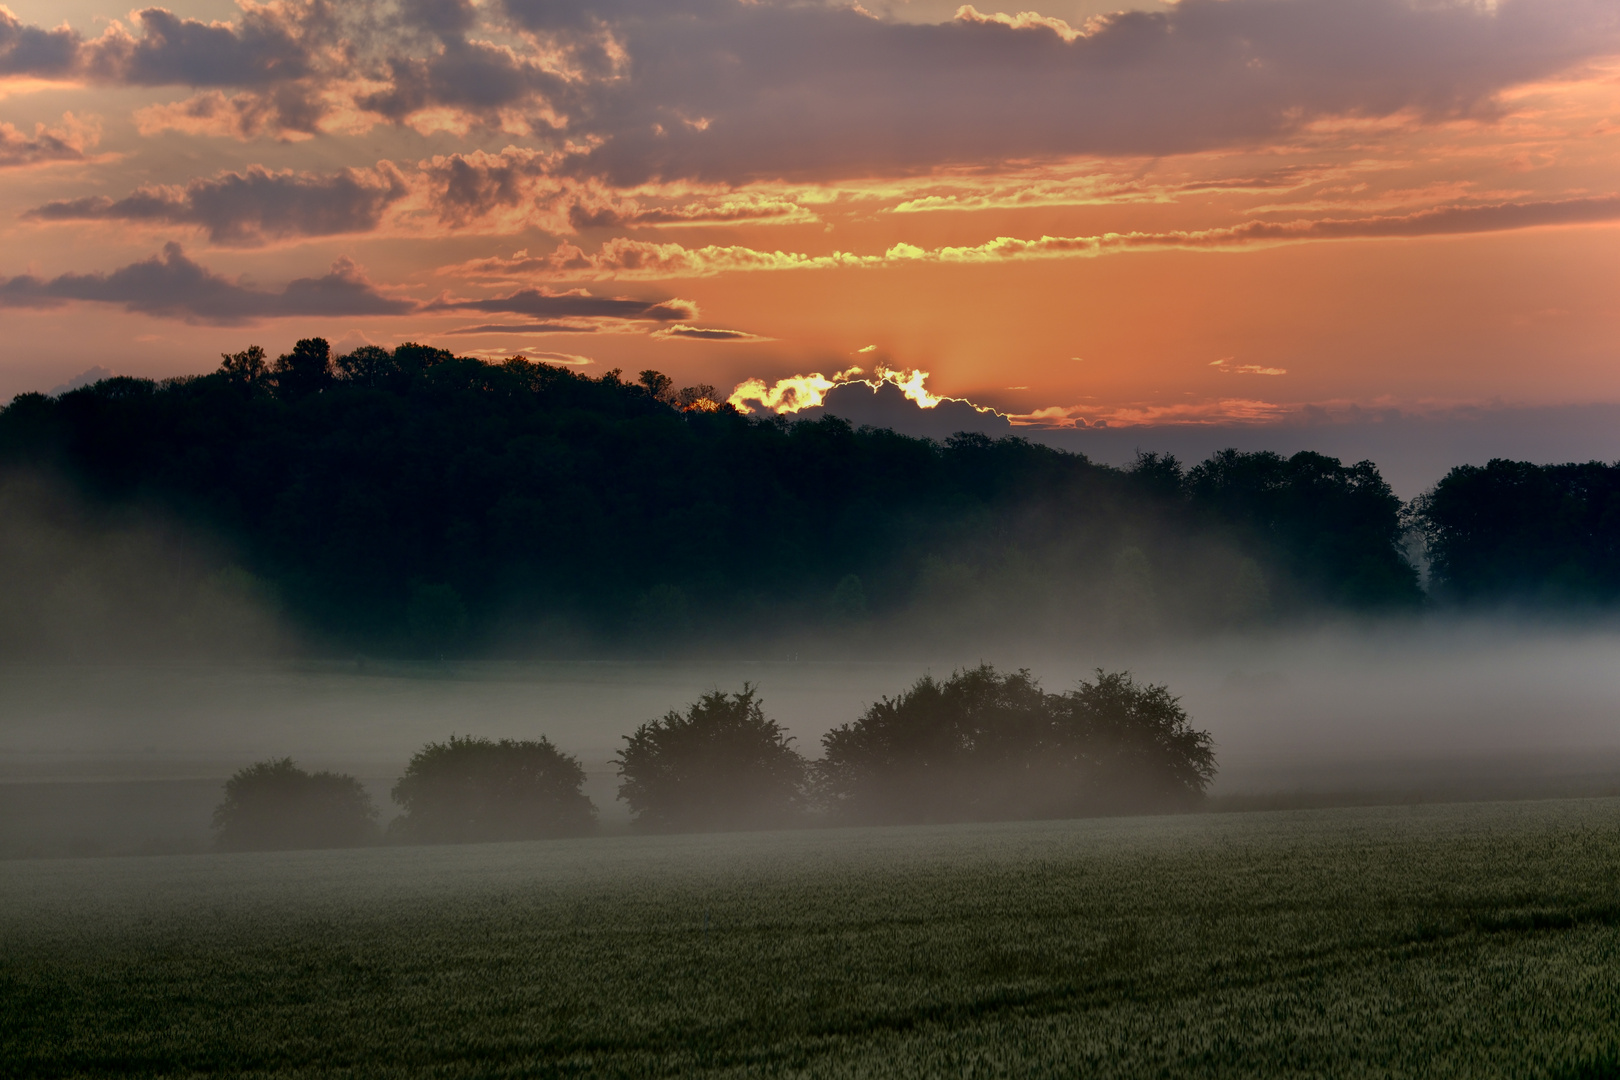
(1224, 411)
(283, 55)
(295, 112)
(47, 145)
(31, 51)
(569, 359)
(726, 91)
(625, 259)
(576, 305)
(1225, 366)
(798, 392)
(249, 208)
(556, 327)
(819, 91)
(172, 286)
(682, 332)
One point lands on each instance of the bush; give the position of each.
(721, 765)
(275, 804)
(472, 789)
(984, 746)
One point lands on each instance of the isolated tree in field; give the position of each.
(275, 804)
(941, 751)
(722, 764)
(471, 789)
(982, 745)
(1132, 746)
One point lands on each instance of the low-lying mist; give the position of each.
(92, 583)
(126, 756)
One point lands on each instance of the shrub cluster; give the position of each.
(977, 746)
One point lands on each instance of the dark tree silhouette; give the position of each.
(1131, 746)
(275, 804)
(601, 513)
(1514, 532)
(304, 371)
(982, 746)
(720, 765)
(472, 789)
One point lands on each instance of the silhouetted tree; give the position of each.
(720, 765)
(1335, 529)
(1515, 532)
(249, 367)
(982, 745)
(304, 371)
(1129, 746)
(275, 804)
(472, 789)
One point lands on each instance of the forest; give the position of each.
(413, 502)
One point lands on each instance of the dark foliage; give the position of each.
(984, 746)
(471, 789)
(1334, 528)
(415, 501)
(275, 804)
(1513, 532)
(720, 765)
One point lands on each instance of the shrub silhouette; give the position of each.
(721, 765)
(275, 804)
(983, 746)
(471, 789)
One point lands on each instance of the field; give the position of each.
(1465, 940)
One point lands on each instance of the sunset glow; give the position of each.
(1211, 211)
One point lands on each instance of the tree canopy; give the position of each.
(983, 745)
(1514, 532)
(474, 789)
(413, 501)
(722, 764)
(275, 804)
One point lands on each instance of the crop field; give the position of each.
(1465, 940)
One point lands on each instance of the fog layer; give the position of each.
(130, 756)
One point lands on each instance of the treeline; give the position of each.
(979, 746)
(1510, 532)
(412, 501)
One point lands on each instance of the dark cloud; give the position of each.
(888, 407)
(754, 90)
(246, 209)
(29, 50)
(270, 44)
(573, 305)
(475, 77)
(462, 187)
(728, 90)
(172, 286)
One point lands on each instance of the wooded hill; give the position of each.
(414, 501)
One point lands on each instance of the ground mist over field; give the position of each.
(129, 756)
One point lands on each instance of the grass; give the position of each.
(1467, 940)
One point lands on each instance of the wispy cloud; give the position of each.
(627, 259)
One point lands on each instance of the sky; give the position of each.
(1212, 221)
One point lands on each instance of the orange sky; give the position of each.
(1212, 211)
